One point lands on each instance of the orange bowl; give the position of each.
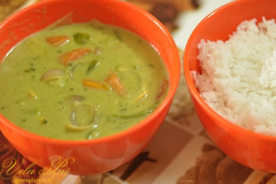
(251, 149)
(103, 154)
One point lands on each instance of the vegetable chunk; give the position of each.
(73, 55)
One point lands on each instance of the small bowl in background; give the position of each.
(249, 148)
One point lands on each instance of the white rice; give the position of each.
(238, 77)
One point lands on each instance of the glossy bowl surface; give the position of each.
(251, 149)
(104, 154)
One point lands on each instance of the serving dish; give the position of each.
(99, 155)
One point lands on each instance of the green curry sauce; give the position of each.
(81, 81)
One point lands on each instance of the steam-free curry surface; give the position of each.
(81, 81)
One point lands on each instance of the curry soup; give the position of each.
(81, 81)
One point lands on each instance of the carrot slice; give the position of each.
(57, 40)
(163, 88)
(73, 55)
(95, 84)
(116, 84)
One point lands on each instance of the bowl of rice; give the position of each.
(230, 69)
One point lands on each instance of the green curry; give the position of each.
(81, 81)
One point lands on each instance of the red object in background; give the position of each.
(251, 149)
(100, 155)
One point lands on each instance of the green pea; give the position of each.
(81, 38)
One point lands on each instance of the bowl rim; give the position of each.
(193, 90)
(173, 84)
